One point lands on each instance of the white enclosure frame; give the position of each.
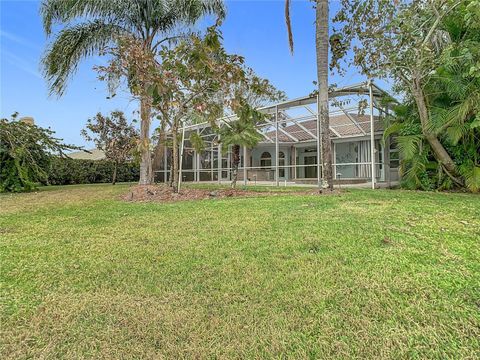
(368, 88)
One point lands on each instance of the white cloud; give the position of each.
(17, 39)
(20, 63)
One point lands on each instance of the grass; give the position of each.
(383, 274)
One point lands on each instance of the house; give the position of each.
(93, 154)
(288, 151)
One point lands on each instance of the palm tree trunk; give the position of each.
(437, 148)
(235, 162)
(146, 158)
(322, 43)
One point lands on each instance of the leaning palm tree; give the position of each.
(322, 43)
(90, 25)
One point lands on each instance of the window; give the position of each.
(394, 155)
(394, 159)
(281, 162)
(266, 160)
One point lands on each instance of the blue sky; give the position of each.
(254, 29)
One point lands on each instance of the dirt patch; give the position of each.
(165, 194)
(162, 193)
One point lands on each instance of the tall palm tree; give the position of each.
(321, 44)
(90, 25)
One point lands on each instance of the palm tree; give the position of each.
(454, 101)
(322, 43)
(241, 132)
(90, 25)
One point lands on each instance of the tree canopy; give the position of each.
(430, 50)
(25, 154)
(114, 135)
(89, 26)
(195, 81)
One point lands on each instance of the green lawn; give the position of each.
(383, 274)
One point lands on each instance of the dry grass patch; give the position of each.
(163, 193)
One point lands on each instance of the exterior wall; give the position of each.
(265, 173)
(306, 154)
(198, 167)
(348, 152)
(344, 151)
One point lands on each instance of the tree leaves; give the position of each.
(112, 134)
(25, 154)
(90, 25)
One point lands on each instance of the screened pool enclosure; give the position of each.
(291, 142)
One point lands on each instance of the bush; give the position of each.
(26, 151)
(65, 171)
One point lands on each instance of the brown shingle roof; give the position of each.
(93, 154)
(340, 126)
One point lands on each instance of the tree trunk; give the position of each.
(159, 151)
(175, 156)
(114, 175)
(438, 150)
(146, 158)
(170, 180)
(322, 44)
(235, 162)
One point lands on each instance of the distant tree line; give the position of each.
(31, 155)
(66, 171)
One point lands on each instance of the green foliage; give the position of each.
(197, 142)
(437, 70)
(419, 168)
(416, 43)
(243, 130)
(90, 25)
(471, 173)
(196, 81)
(114, 135)
(26, 151)
(66, 171)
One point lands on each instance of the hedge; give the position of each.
(65, 171)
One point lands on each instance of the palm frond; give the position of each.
(456, 132)
(441, 118)
(101, 20)
(409, 145)
(65, 11)
(192, 10)
(393, 128)
(471, 173)
(72, 45)
(289, 25)
(197, 142)
(412, 172)
(475, 124)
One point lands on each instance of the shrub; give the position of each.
(26, 151)
(65, 171)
